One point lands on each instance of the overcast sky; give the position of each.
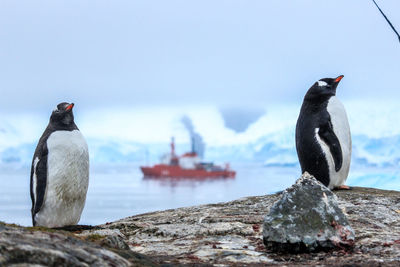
(227, 53)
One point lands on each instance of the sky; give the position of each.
(230, 54)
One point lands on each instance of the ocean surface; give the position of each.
(120, 190)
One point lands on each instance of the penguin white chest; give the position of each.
(67, 179)
(341, 128)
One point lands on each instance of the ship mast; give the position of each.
(172, 147)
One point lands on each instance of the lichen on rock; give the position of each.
(307, 218)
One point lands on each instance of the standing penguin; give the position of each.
(60, 172)
(323, 139)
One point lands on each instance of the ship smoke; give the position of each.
(197, 141)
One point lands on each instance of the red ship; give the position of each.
(189, 165)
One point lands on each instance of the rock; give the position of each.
(20, 245)
(229, 234)
(39, 246)
(110, 238)
(307, 218)
(115, 242)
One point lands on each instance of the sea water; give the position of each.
(120, 190)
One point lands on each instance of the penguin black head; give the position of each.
(62, 116)
(322, 89)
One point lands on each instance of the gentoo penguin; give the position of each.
(323, 139)
(60, 171)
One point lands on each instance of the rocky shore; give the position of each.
(216, 234)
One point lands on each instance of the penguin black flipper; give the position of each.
(38, 178)
(329, 137)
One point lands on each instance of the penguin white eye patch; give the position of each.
(322, 83)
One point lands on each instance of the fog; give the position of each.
(230, 54)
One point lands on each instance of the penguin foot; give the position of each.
(342, 187)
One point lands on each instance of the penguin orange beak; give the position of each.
(339, 78)
(70, 106)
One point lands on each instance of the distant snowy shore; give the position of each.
(143, 135)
